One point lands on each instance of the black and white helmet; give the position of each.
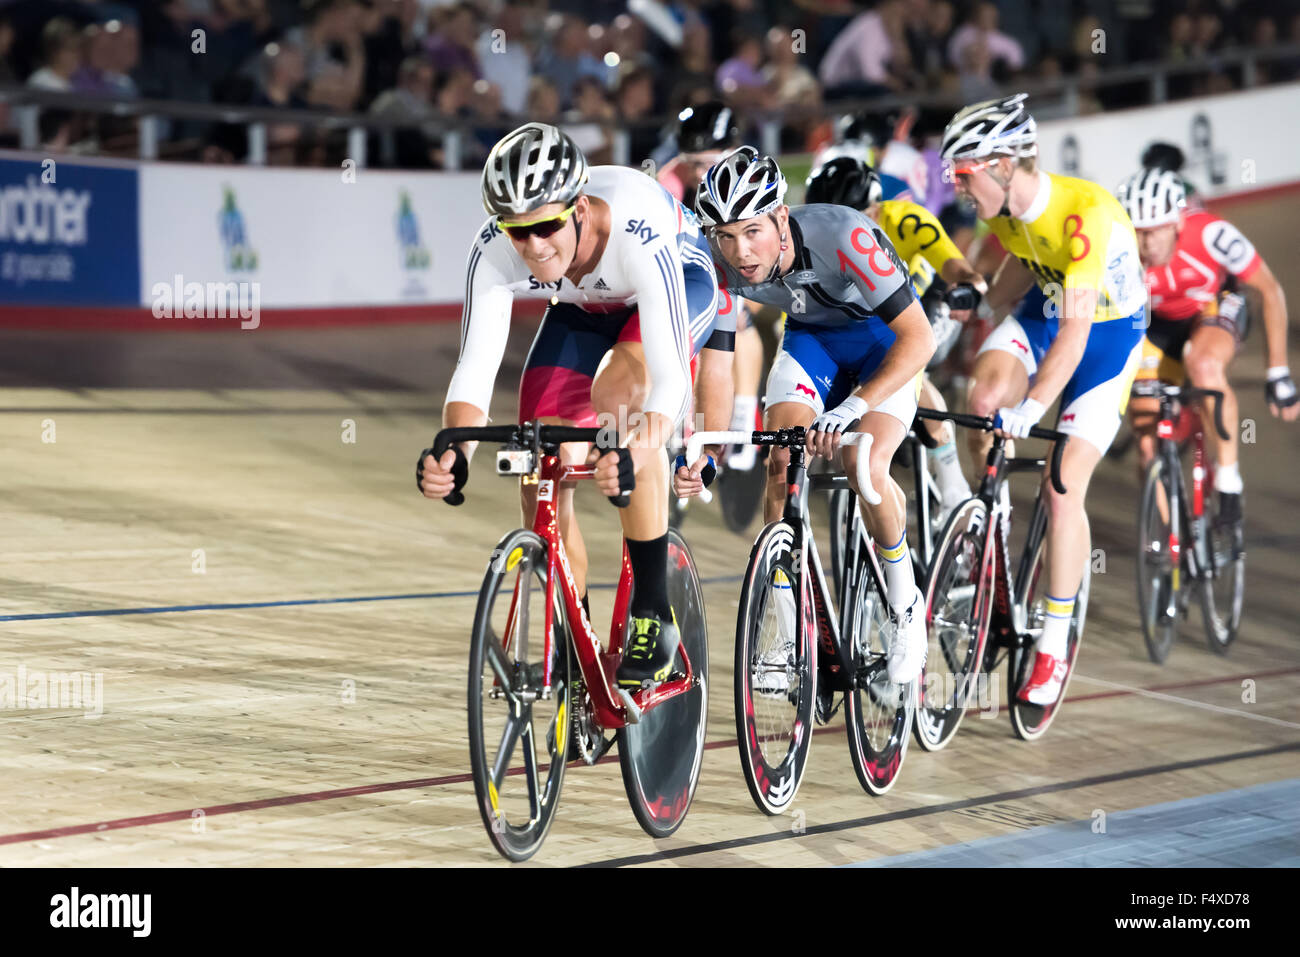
(530, 167)
(741, 185)
(994, 127)
(1153, 197)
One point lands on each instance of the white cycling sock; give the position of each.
(1056, 626)
(947, 469)
(900, 581)
(1227, 479)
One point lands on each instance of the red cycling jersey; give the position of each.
(1208, 249)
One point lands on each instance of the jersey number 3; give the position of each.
(1077, 233)
(872, 251)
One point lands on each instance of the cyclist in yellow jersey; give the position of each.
(929, 254)
(1076, 336)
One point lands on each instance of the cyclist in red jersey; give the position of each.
(1190, 257)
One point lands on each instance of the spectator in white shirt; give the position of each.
(505, 59)
(61, 45)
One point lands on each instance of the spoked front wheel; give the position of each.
(1157, 565)
(660, 755)
(1031, 721)
(1223, 582)
(878, 712)
(775, 676)
(959, 602)
(517, 738)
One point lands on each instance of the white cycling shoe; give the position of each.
(908, 642)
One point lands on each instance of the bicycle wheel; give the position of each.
(878, 712)
(1155, 562)
(506, 711)
(1223, 582)
(775, 672)
(1031, 721)
(959, 603)
(660, 756)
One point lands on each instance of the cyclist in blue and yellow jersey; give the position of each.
(1079, 338)
(855, 344)
(940, 276)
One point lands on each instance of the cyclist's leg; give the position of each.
(953, 486)
(797, 388)
(1003, 368)
(1210, 349)
(747, 369)
(555, 388)
(1162, 351)
(1092, 404)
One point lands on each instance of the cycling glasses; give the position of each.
(966, 169)
(541, 228)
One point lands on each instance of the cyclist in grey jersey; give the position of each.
(855, 344)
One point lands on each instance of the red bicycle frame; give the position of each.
(597, 665)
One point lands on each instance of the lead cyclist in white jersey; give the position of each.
(633, 297)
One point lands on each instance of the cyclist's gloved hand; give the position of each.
(1281, 393)
(690, 481)
(963, 297)
(616, 473)
(824, 436)
(438, 479)
(1017, 422)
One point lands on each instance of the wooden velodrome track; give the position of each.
(281, 624)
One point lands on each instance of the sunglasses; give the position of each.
(540, 228)
(968, 169)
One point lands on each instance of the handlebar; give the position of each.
(986, 425)
(785, 438)
(528, 434)
(1155, 389)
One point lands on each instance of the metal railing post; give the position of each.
(29, 127)
(256, 144)
(621, 148)
(148, 137)
(769, 136)
(451, 150)
(1159, 86)
(357, 146)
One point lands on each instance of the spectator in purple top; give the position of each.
(452, 47)
(739, 79)
(96, 61)
(569, 58)
(982, 28)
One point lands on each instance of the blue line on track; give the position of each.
(231, 606)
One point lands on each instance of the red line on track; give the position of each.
(167, 817)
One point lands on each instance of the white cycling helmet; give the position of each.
(530, 167)
(994, 127)
(740, 185)
(1153, 197)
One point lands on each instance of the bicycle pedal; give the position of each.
(633, 712)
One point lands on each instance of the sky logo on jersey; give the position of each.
(489, 231)
(641, 229)
(240, 256)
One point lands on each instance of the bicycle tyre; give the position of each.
(1222, 587)
(517, 568)
(959, 607)
(773, 775)
(1155, 572)
(660, 757)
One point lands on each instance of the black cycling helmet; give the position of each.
(844, 181)
(1163, 156)
(709, 126)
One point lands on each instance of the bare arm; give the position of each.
(911, 350)
(713, 392)
(1274, 313)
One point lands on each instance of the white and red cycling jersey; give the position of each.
(1209, 249)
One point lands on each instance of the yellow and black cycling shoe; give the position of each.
(648, 653)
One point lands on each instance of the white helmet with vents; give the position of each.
(741, 185)
(994, 127)
(1153, 197)
(530, 167)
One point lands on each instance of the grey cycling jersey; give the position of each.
(845, 270)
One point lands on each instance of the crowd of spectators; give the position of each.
(593, 66)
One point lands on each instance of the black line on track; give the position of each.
(932, 809)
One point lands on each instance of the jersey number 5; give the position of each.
(872, 251)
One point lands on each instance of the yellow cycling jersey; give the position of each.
(1075, 235)
(918, 238)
